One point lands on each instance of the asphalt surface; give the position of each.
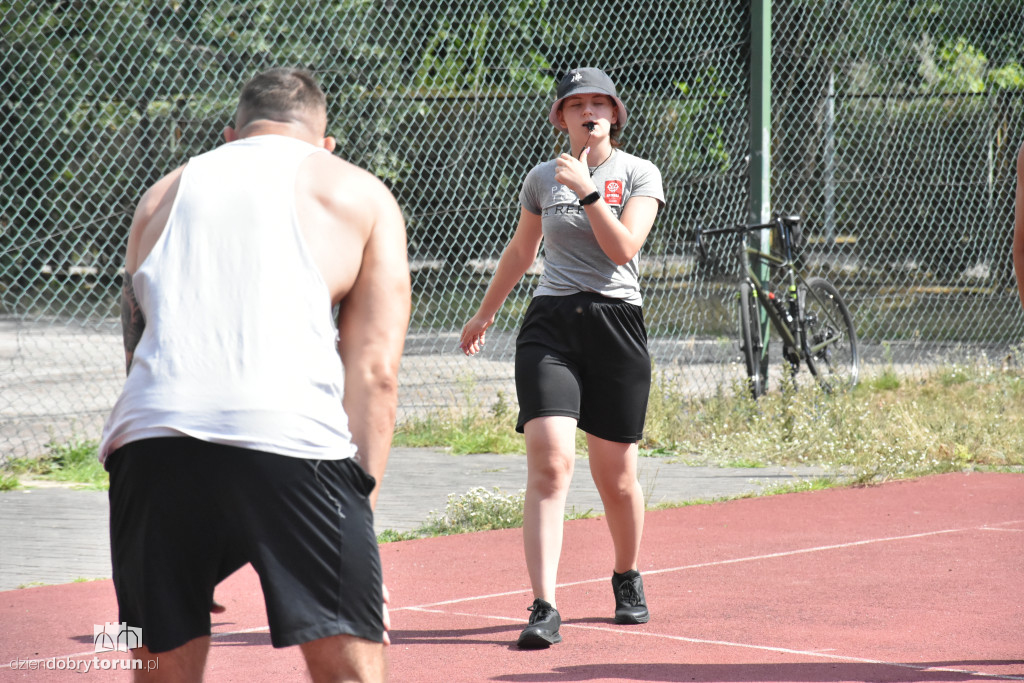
(55, 534)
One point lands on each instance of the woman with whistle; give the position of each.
(581, 354)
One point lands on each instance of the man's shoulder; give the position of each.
(346, 189)
(345, 171)
(156, 193)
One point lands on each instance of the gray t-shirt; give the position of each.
(573, 260)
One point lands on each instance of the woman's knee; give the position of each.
(550, 475)
(550, 453)
(613, 468)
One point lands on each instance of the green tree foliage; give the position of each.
(447, 102)
(918, 108)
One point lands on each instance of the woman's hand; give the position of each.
(574, 173)
(473, 333)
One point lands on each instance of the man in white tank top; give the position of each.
(239, 437)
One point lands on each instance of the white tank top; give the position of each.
(239, 345)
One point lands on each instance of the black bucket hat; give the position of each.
(586, 81)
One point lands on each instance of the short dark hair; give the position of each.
(278, 95)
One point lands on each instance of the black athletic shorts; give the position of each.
(584, 356)
(185, 514)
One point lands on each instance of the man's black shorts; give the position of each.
(584, 356)
(185, 514)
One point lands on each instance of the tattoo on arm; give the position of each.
(132, 321)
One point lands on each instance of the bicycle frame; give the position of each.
(787, 319)
(808, 315)
(790, 330)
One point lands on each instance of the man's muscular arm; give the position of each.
(372, 322)
(132, 321)
(147, 225)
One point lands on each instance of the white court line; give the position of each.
(254, 629)
(748, 646)
(719, 563)
(752, 558)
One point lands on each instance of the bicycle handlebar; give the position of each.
(742, 229)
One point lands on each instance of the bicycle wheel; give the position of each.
(751, 343)
(829, 337)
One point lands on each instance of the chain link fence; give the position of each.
(895, 128)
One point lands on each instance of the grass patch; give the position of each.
(958, 417)
(479, 509)
(748, 463)
(463, 431)
(573, 513)
(963, 416)
(390, 536)
(476, 510)
(74, 463)
(461, 434)
(818, 484)
(887, 380)
(468, 431)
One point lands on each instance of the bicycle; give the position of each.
(808, 315)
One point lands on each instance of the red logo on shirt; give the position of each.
(613, 192)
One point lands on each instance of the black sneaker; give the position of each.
(630, 605)
(543, 628)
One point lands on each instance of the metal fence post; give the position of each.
(759, 172)
(759, 169)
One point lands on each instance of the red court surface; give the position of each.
(919, 580)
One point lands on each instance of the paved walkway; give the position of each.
(53, 534)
